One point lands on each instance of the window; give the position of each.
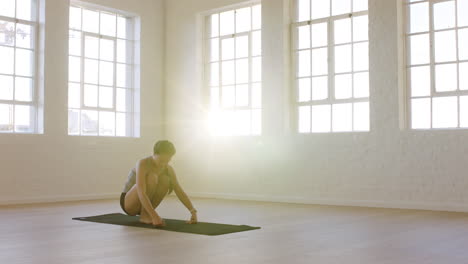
(437, 63)
(18, 71)
(331, 54)
(233, 64)
(101, 86)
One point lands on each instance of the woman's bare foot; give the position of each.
(145, 219)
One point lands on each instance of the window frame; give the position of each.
(35, 111)
(331, 74)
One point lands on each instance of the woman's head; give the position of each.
(164, 149)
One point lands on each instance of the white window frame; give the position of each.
(207, 62)
(331, 68)
(34, 116)
(432, 64)
(131, 103)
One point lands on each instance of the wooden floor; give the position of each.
(290, 233)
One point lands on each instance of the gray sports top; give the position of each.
(131, 180)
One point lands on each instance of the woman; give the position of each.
(149, 182)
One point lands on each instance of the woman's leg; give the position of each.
(132, 200)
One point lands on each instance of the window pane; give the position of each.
(124, 75)
(73, 122)
(361, 56)
(445, 46)
(90, 95)
(89, 122)
(6, 118)
(214, 74)
(24, 10)
(464, 111)
(463, 68)
(122, 27)
(242, 95)
(304, 87)
(462, 10)
(74, 95)
(303, 63)
(361, 85)
(463, 44)
(419, 49)
(106, 123)
(256, 122)
(444, 15)
(108, 24)
(124, 51)
(75, 17)
(74, 69)
(106, 97)
(106, 73)
(228, 96)
(361, 116)
(91, 47)
(6, 63)
(90, 21)
(228, 72)
(227, 23)
(24, 62)
(90, 71)
(343, 31)
(123, 100)
(23, 36)
(421, 113)
(227, 49)
(214, 23)
(214, 49)
(23, 89)
(303, 37)
(106, 50)
(343, 86)
(243, 17)
(7, 8)
(256, 95)
(304, 119)
(214, 97)
(319, 88)
(420, 81)
(360, 28)
(242, 71)
(419, 17)
(121, 126)
(256, 43)
(319, 35)
(320, 8)
(342, 117)
(6, 88)
(342, 58)
(341, 7)
(303, 10)
(319, 61)
(242, 47)
(446, 77)
(74, 43)
(360, 5)
(7, 33)
(242, 122)
(257, 17)
(321, 118)
(257, 69)
(444, 112)
(23, 118)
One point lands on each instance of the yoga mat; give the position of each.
(202, 228)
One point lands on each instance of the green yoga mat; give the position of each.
(202, 228)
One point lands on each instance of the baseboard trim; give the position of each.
(336, 202)
(260, 198)
(60, 198)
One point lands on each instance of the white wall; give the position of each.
(386, 167)
(54, 166)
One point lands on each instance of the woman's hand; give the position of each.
(193, 219)
(158, 221)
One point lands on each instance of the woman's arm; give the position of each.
(179, 191)
(141, 189)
